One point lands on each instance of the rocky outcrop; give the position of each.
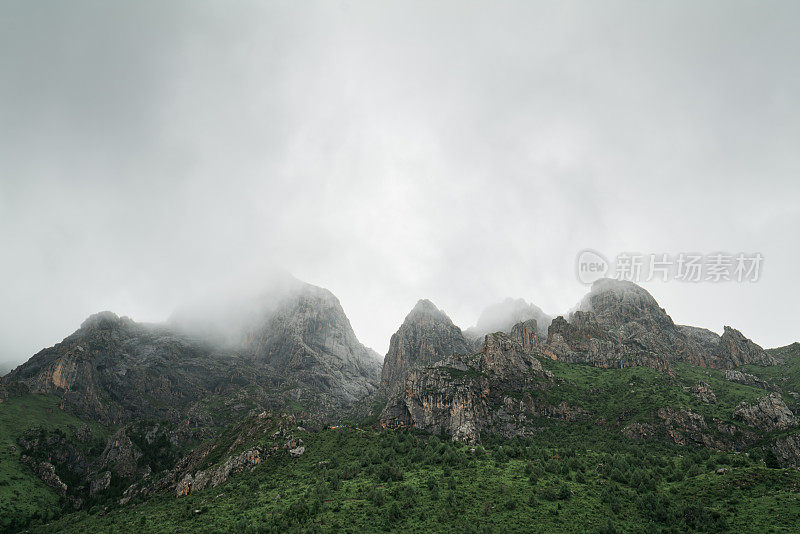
(426, 336)
(100, 484)
(735, 349)
(527, 334)
(55, 448)
(121, 456)
(683, 426)
(47, 473)
(217, 475)
(464, 395)
(639, 431)
(242, 447)
(584, 340)
(703, 392)
(769, 414)
(113, 370)
(747, 379)
(787, 450)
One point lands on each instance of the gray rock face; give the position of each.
(307, 335)
(770, 413)
(297, 452)
(463, 396)
(215, 476)
(787, 450)
(618, 324)
(121, 456)
(738, 350)
(114, 370)
(426, 336)
(686, 427)
(47, 473)
(193, 472)
(100, 484)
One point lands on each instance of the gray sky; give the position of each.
(464, 152)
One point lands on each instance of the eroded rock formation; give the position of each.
(426, 336)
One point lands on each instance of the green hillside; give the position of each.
(564, 479)
(565, 476)
(23, 496)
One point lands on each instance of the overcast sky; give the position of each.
(462, 152)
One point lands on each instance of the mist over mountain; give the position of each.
(502, 316)
(173, 410)
(278, 267)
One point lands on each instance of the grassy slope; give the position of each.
(22, 494)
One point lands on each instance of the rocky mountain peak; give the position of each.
(424, 309)
(426, 336)
(616, 302)
(307, 333)
(105, 320)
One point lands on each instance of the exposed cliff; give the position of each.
(464, 395)
(307, 335)
(426, 336)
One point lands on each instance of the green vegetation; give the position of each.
(636, 393)
(23, 496)
(566, 478)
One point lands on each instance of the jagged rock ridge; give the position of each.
(619, 324)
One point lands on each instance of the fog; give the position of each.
(153, 153)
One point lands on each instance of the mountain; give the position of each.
(426, 336)
(308, 336)
(292, 345)
(617, 325)
(501, 317)
(219, 420)
(457, 394)
(114, 370)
